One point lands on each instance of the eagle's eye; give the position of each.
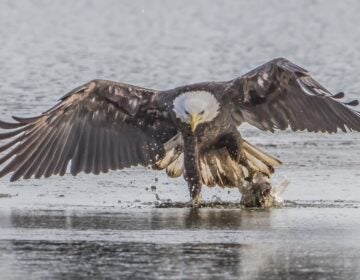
(187, 113)
(202, 112)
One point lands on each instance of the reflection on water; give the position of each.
(180, 243)
(55, 260)
(172, 219)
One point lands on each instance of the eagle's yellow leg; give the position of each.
(196, 200)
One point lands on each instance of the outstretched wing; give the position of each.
(99, 126)
(280, 94)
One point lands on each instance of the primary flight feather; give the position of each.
(190, 130)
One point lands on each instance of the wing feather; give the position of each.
(69, 150)
(79, 156)
(7, 125)
(99, 126)
(41, 164)
(280, 94)
(32, 164)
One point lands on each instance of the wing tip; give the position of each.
(9, 125)
(352, 103)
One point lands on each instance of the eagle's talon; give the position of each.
(196, 201)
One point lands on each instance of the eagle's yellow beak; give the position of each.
(195, 120)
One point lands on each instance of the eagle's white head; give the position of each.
(196, 107)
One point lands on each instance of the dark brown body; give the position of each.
(215, 135)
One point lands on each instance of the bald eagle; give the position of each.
(190, 130)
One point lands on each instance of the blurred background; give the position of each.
(47, 48)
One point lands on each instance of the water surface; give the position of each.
(108, 226)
